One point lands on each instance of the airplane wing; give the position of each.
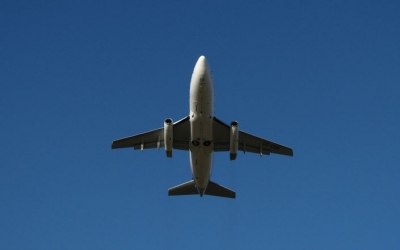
(247, 142)
(155, 138)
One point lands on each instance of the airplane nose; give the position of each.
(202, 59)
(202, 62)
(201, 70)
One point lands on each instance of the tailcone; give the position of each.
(201, 191)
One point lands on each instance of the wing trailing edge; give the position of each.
(247, 142)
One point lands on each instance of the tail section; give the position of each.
(184, 189)
(213, 188)
(218, 190)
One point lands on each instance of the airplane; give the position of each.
(202, 134)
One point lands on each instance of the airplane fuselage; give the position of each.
(201, 123)
(201, 133)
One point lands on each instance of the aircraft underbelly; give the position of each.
(201, 149)
(201, 167)
(201, 145)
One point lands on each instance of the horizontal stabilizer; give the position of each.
(184, 189)
(213, 188)
(218, 190)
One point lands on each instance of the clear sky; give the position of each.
(319, 76)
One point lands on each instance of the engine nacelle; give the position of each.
(234, 140)
(168, 136)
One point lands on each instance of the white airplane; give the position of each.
(201, 133)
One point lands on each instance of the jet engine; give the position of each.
(168, 136)
(234, 140)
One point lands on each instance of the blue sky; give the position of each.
(319, 76)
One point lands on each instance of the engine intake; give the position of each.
(168, 136)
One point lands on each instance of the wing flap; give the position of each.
(255, 144)
(148, 140)
(155, 138)
(247, 142)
